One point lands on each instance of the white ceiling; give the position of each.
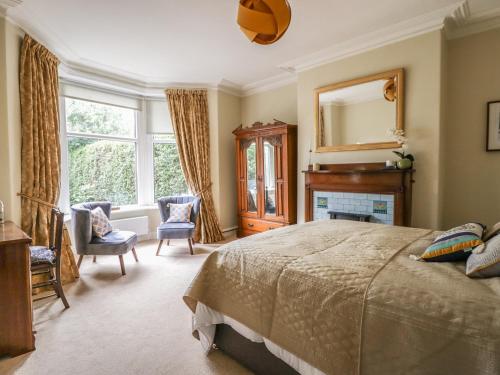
(198, 41)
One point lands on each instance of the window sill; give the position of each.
(125, 211)
(134, 208)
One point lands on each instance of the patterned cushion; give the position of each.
(180, 213)
(487, 263)
(454, 244)
(42, 255)
(100, 223)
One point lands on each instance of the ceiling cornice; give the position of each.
(10, 3)
(391, 34)
(6, 4)
(463, 23)
(267, 84)
(92, 77)
(456, 20)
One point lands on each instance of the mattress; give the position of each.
(344, 297)
(205, 320)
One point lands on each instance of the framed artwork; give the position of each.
(493, 130)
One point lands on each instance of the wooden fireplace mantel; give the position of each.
(372, 178)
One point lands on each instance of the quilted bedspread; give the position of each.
(345, 297)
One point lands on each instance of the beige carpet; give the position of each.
(135, 324)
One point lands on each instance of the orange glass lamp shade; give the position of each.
(264, 21)
(390, 90)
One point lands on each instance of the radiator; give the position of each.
(139, 225)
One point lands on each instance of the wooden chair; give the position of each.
(47, 260)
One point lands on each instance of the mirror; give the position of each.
(357, 114)
(269, 178)
(251, 177)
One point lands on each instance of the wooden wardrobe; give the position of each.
(266, 171)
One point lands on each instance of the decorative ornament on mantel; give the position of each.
(405, 159)
(264, 21)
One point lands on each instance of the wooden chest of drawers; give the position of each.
(16, 315)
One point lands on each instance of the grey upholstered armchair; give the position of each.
(170, 231)
(114, 243)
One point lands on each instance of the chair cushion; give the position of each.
(116, 242)
(180, 213)
(42, 255)
(175, 230)
(100, 223)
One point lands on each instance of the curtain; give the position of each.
(321, 127)
(40, 152)
(189, 114)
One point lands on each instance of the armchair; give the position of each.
(168, 231)
(114, 243)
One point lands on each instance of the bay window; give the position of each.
(118, 149)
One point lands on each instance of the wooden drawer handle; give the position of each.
(250, 225)
(270, 228)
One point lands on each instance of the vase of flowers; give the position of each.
(405, 159)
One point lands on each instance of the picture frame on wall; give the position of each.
(493, 126)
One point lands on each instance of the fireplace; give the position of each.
(362, 189)
(380, 207)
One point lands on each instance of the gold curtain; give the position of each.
(189, 114)
(321, 127)
(40, 153)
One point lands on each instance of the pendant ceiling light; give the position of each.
(390, 90)
(264, 21)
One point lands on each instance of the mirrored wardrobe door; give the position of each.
(271, 155)
(250, 151)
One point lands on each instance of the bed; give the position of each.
(344, 297)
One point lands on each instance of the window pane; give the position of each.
(168, 176)
(101, 119)
(102, 170)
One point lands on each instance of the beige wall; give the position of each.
(229, 119)
(421, 58)
(471, 175)
(280, 104)
(10, 119)
(224, 116)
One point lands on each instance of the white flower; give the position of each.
(398, 135)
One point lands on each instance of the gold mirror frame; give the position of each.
(396, 73)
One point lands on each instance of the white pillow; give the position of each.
(486, 263)
(100, 223)
(491, 232)
(180, 213)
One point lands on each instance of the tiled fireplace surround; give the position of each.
(379, 206)
(359, 188)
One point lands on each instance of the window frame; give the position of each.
(142, 142)
(153, 142)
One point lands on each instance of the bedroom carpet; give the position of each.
(137, 324)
